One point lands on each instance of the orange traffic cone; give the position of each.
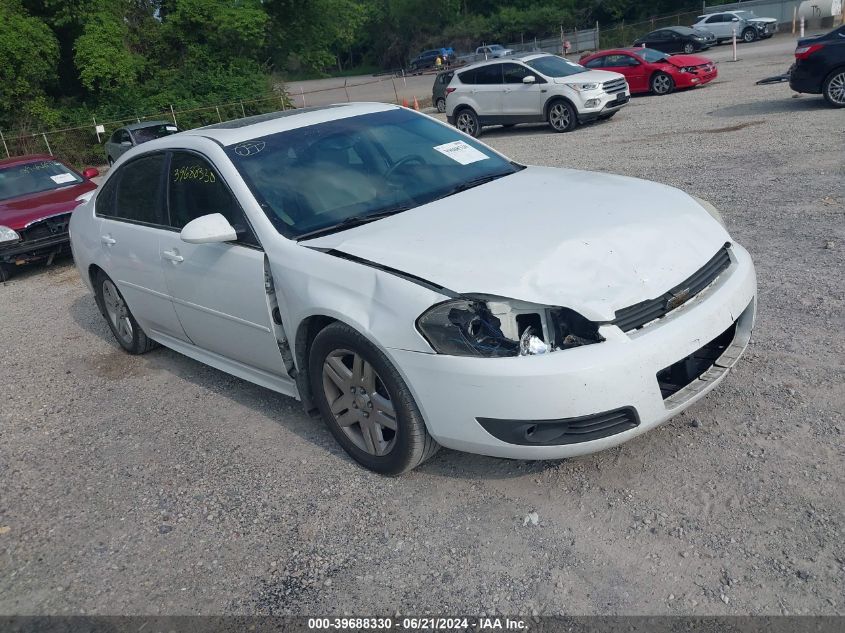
(416, 104)
(404, 103)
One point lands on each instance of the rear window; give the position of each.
(35, 177)
(153, 132)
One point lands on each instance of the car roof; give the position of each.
(240, 130)
(29, 158)
(523, 57)
(678, 29)
(139, 126)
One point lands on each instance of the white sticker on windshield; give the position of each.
(170, 128)
(63, 178)
(461, 152)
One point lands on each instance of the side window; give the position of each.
(713, 19)
(514, 73)
(658, 36)
(115, 137)
(125, 136)
(598, 62)
(134, 193)
(195, 189)
(489, 75)
(619, 61)
(467, 77)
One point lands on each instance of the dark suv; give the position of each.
(438, 92)
(427, 59)
(820, 67)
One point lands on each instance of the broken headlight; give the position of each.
(8, 235)
(492, 327)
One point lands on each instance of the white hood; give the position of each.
(591, 242)
(590, 76)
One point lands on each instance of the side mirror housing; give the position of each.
(90, 172)
(208, 229)
(529, 79)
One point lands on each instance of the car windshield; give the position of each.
(651, 56)
(554, 66)
(152, 132)
(29, 178)
(330, 176)
(496, 47)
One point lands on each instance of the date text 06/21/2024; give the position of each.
(416, 624)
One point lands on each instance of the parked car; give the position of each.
(438, 92)
(37, 195)
(747, 26)
(678, 39)
(492, 51)
(428, 59)
(125, 138)
(820, 67)
(533, 88)
(648, 70)
(364, 259)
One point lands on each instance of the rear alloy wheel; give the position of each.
(749, 35)
(689, 48)
(467, 122)
(662, 84)
(562, 117)
(121, 322)
(365, 403)
(441, 105)
(834, 88)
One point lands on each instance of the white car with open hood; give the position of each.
(416, 287)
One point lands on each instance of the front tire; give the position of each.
(562, 117)
(662, 84)
(366, 404)
(121, 322)
(466, 121)
(833, 88)
(749, 35)
(441, 105)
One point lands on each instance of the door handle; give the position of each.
(173, 256)
(108, 240)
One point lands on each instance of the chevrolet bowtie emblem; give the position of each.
(677, 299)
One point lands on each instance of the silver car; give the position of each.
(125, 138)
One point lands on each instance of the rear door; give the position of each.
(719, 25)
(487, 90)
(131, 208)
(218, 290)
(521, 99)
(660, 40)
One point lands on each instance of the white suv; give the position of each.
(534, 88)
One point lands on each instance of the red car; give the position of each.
(37, 195)
(648, 70)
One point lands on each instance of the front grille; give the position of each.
(49, 227)
(615, 85)
(636, 316)
(564, 431)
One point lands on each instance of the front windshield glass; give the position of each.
(313, 178)
(29, 178)
(144, 134)
(554, 66)
(651, 56)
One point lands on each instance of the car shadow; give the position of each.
(282, 410)
(532, 129)
(808, 103)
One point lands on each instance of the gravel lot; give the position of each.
(156, 485)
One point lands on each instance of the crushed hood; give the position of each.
(682, 61)
(17, 213)
(591, 242)
(762, 20)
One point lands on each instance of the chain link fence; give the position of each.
(623, 35)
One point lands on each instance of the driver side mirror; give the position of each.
(208, 229)
(529, 79)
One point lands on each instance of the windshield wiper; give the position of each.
(469, 184)
(353, 221)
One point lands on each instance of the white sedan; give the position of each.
(415, 286)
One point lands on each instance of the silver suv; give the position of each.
(534, 88)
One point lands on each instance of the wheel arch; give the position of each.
(552, 100)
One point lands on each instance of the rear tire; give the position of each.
(833, 88)
(466, 120)
(562, 116)
(689, 48)
(662, 84)
(356, 387)
(441, 105)
(6, 272)
(122, 323)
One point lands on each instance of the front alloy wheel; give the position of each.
(662, 84)
(562, 117)
(366, 403)
(749, 35)
(834, 89)
(467, 122)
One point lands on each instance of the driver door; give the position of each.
(633, 70)
(217, 289)
(521, 99)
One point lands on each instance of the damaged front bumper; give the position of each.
(28, 251)
(581, 400)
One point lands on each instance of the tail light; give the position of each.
(449, 91)
(803, 52)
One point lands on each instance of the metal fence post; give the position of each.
(598, 48)
(396, 92)
(173, 114)
(47, 143)
(243, 112)
(346, 90)
(219, 118)
(96, 131)
(6, 147)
